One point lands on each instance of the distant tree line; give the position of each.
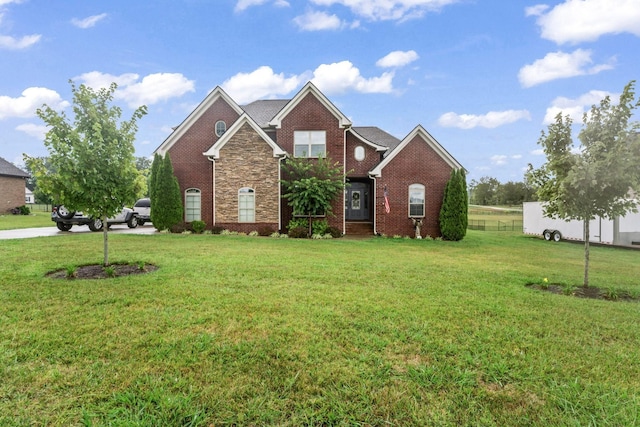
(489, 191)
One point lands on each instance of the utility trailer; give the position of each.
(621, 231)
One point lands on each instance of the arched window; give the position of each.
(192, 205)
(221, 127)
(416, 200)
(246, 205)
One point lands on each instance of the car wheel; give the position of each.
(95, 224)
(547, 234)
(133, 222)
(65, 213)
(141, 222)
(63, 227)
(557, 236)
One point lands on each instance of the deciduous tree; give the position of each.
(91, 159)
(595, 180)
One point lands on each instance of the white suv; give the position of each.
(65, 219)
(143, 208)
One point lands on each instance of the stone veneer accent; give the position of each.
(246, 160)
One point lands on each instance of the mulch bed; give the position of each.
(98, 271)
(591, 292)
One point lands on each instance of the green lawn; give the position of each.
(35, 219)
(238, 330)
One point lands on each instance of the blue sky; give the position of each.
(484, 77)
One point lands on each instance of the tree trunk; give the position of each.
(586, 252)
(105, 235)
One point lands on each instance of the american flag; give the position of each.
(387, 208)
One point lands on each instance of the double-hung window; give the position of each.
(416, 200)
(246, 205)
(192, 205)
(309, 143)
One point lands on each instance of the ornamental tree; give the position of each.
(455, 207)
(310, 186)
(596, 179)
(91, 159)
(166, 199)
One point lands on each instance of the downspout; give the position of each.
(344, 181)
(375, 205)
(213, 183)
(280, 191)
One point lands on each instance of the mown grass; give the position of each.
(256, 331)
(35, 219)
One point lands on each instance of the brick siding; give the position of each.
(11, 192)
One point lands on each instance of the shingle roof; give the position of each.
(377, 136)
(9, 169)
(264, 110)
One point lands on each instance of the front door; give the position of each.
(357, 202)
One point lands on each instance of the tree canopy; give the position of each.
(594, 180)
(91, 160)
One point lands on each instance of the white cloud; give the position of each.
(576, 21)
(341, 77)
(318, 21)
(37, 131)
(499, 159)
(336, 78)
(537, 152)
(516, 156)
(560, 65)
(259, 84)
(382, 10)
(245, 4)
(8, 42)
(3, 2)
(150, 90)
(536, 10)
(397, 58)
(89, 21)
(490, 120)
(575, 108)
(32, 98)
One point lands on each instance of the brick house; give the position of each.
(12, 186)
(227, 159)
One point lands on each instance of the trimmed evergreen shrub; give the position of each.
(299, 233)
(167, 208)
(455, 206)
(198, 226)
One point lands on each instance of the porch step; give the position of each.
(359, 228)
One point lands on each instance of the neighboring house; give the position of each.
(12, 186)
(29, 197)
(228, 161)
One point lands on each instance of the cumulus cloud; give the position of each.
(536, 10)
(336, 78)
(341, 77)
(259, 84)
(89, 21)
(575, 108)
(37, 131)
(383, 10)
(575, 21)
(318, 21)
(499, 159)
(490, 120)
(152, 89)
(32, 98)
(12, 43)
(560, 65)
(397, 58)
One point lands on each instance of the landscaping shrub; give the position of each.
(298, 233)
(21, 210)
(216, 229)
(335, 232)
(179, 228)
(265, 231)
(320, 227)
(198, 226)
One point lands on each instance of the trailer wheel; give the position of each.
(557, 236)
(547, 234)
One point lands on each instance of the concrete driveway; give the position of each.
(25, 233)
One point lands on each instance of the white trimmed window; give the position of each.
(246, 205)
(309, 143)
(416, 200)
(221, 127)
(192, 201)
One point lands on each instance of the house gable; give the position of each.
(309, 88)
(214, 96)
(420, 132)
(214, 151)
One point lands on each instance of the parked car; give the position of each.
(143, 207)
(65, 219)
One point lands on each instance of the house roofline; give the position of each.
(366, 141)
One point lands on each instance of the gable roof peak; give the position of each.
(307, 89)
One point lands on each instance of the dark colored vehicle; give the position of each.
(65, 219)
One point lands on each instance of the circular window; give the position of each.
(221, 128)
(359, 153)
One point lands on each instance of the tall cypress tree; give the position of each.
(455, 205)
(153, 179)
(168, 208)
